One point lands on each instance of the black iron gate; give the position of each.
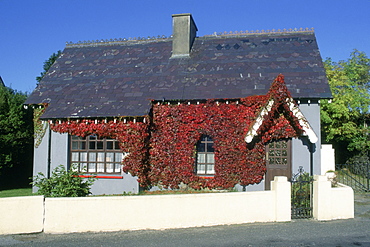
(301, 196)
(356, 176)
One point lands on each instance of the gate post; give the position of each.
(321, 198)
(281, 188)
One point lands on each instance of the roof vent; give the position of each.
(184, 32)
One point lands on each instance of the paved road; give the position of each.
(353, 232)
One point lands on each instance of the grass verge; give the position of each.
(16, 192)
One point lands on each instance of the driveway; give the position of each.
(352, 232)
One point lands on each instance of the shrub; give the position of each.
(63, 183)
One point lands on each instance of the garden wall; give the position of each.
(115, 213)
(167, 211)
(331, 203)
(21, 214)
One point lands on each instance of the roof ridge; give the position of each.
(131, 40)
(103, 42)
(263, 31)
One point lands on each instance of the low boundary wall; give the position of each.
(331, 203)
(21, 214)
(115, 213)
(167, 211)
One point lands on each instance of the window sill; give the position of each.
(101, 176)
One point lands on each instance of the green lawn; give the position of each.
(16, 192)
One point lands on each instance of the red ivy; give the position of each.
(175, 130)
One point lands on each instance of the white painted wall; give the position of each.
(300, 146)
(115, 213)
(21, 214)
(167, 211)
(327, 158)
(331, 203)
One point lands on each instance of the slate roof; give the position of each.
(119, 78)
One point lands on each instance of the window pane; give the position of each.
(201, 147)
(99, 145)
(92, 145)
(118, 157)
(210, 169)
(82, 145)
(83, 156)
(92, 156)
(74, 168)
(83, 167)
(201, 169)
(210, 158)
(110, 167)
(117, 167)
(201, 158)
(109, 157)
(285, 161)
(75, 156)
(116, 145)
(284, 144)
(210, 147)
(75, 145)
(110, 145)
(92, 167)
(100, 167)
(100, 157)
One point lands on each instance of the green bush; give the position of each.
(63, 183)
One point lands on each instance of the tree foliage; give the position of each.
(47, 64)
(16, 130)
(344, 119)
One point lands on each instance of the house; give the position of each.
(222, 110)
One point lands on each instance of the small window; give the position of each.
(96, 155)
(205, 158)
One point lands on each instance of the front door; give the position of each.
(278, 160)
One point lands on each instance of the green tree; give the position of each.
(16, 129)
(344, 119)
(47, 64)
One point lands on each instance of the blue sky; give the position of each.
(31, 30)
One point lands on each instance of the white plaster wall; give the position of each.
(115, 186)
(167, 211)
(59, 153)
(21, 214)
(327, 158)
(41, 156)
(59, 149)
(331, 203)
(300, 151)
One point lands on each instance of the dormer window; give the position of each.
(205, 158)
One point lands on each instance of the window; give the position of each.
(205, 158)
(96, 155)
